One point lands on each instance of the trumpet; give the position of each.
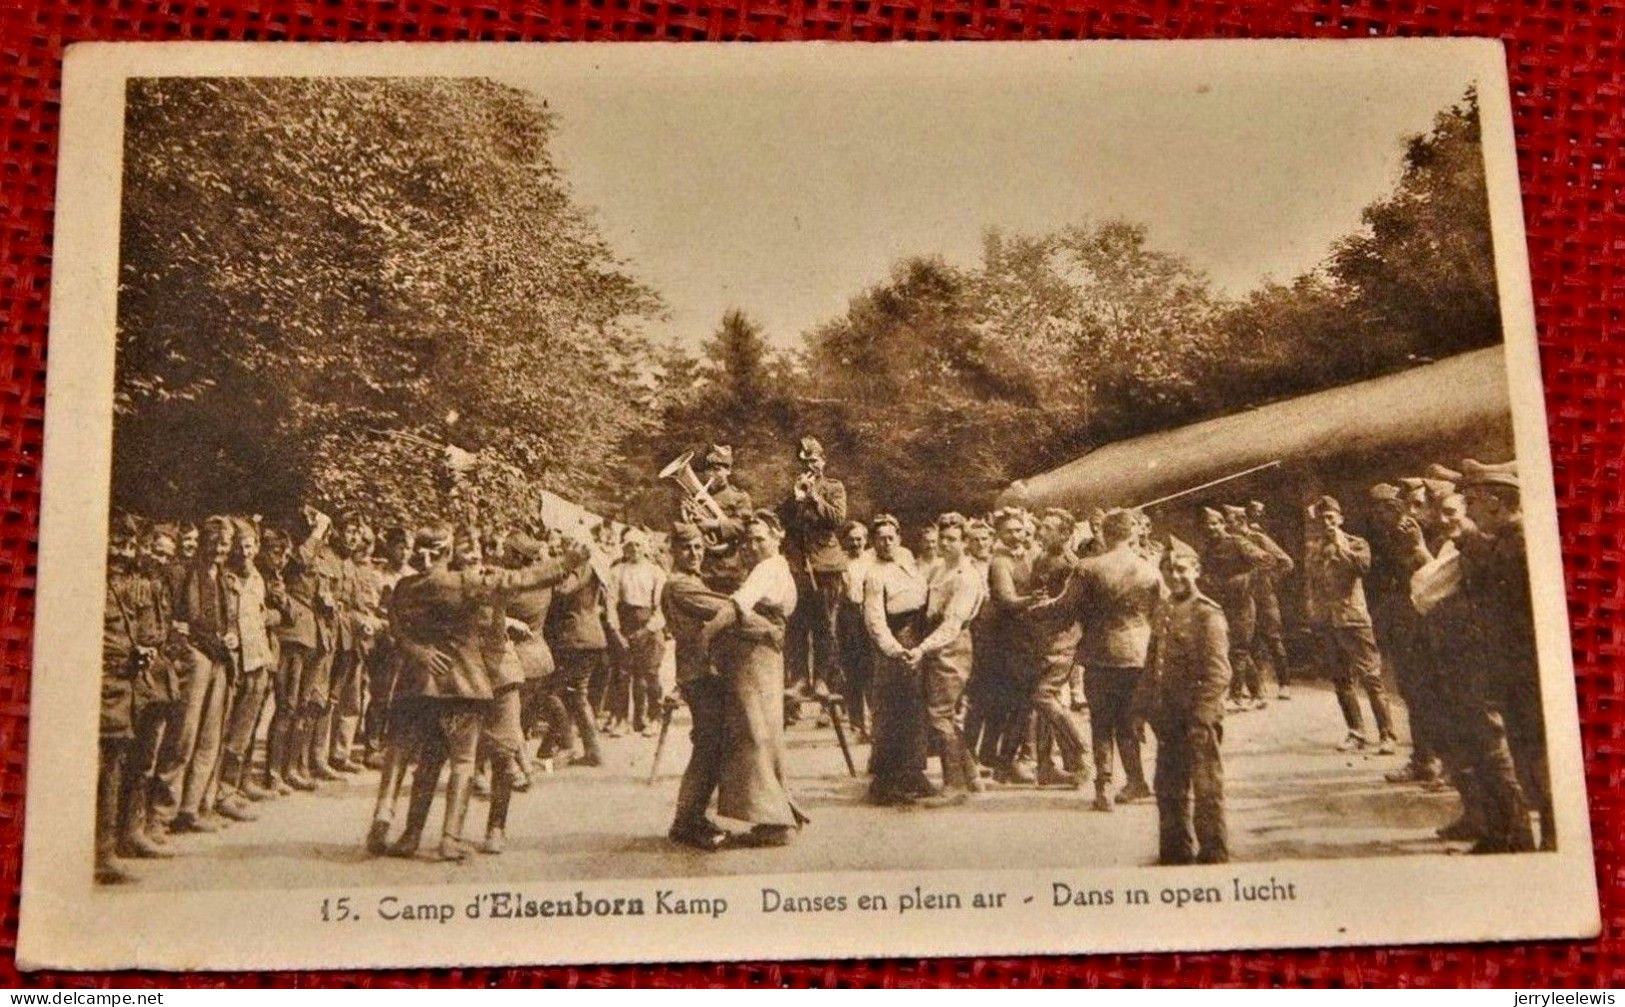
(699, 506)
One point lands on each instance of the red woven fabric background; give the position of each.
(1567, 65)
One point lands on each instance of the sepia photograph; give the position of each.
(851, 499)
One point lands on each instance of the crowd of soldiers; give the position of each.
(486, 659)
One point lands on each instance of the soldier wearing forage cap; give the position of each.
(1269, 633)
(688, 604)
(1055, 639)
(812, 516)
(1252, 682)
(724, 570)
(1113, 596)
(1230, 561)
(1335, 566)
(1181, 694)
(1399, 549)
(1507, 729)
(441, 617)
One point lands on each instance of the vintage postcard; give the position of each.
(565, 504)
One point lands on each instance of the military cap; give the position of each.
(1438, 489)
(1449, 475)
(1384, 493)
(524, 545)
(1325, 504)
(1208, 513)
(683, 533)
(718, 454)
(435, 536)
(809, 449)
(1477, 473)
(1178, 549)
(883, 520)
(1232, 511)
(978, 524)
(1004, 514)
(1410, 484)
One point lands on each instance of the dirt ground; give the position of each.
(1289, 795)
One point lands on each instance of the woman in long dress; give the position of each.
(746, 640)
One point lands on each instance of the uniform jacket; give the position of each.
(1495, 584)
(205, 605)
(531, 607)
(812, 527)
(1187, 670)
(1334, 587)
(688, 604)
(724, 570)
(297, 625)
(1113, 596)
(1229, 566)
(1054, 634)
(579, 611)
(451, 611)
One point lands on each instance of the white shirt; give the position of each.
(856, 570)
(768, 581)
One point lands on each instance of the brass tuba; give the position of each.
(699, 506)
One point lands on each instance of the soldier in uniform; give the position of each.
(812, 517)
(1334, 597)
(724, 570)
(1252, 557)
(137, 684)
(1507, 728)
(745, 640)
(893, 600)
(1113, 596)
(1182, 693)
(1399, 549)
(580, 622)
(394, 563)
(359, 596)
(328, 583)
(527, 611)
(254, 614)
(688, 604)
(1055, 637)
(952, 599)
(1269, 633)
(443, 617)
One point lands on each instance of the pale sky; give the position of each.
(784, 181)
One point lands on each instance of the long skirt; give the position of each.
(753, 788)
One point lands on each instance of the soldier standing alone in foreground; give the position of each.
(1187, 672)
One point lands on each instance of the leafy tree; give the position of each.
(1421, 273)
(323, 281)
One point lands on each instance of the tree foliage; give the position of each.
(321, 280)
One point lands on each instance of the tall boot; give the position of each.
(459, 790)
(275, 776)
(298, 753)
(496, 821)
(321, 738)
(390, 779)
(133, 841)
(424, 781)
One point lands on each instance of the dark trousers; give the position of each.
(899, 748)
(110, 780)
(707, 699)
(1190, 778)
(810, 634)
(857, 662)
(1112, 723)
(566, 707)
(1056, 728)
(1350, 658)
